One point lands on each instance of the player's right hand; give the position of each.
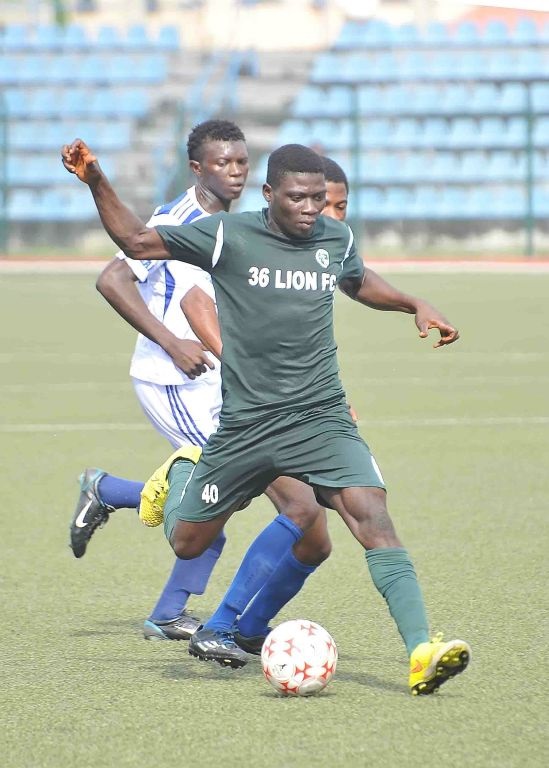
(78, 159)
(191, 357)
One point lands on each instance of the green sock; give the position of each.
(178, 477)
(393, 573)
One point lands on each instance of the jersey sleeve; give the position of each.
(352, 267)
(199, 243)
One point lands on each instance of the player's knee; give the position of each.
(313, 552)
(302, 514)
(186, 546)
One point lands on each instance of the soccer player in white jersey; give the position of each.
(176, 381)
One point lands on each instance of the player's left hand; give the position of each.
(191, 357)
(427, 318)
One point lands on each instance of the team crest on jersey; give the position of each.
(322, 257)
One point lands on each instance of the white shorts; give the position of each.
(185, 414)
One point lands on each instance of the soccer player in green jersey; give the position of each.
(284, 409)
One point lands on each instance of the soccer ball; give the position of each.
(299, 658)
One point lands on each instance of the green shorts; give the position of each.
(320, 446)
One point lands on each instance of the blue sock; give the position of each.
(187, 577)
(119, 493)
(283, 584)
(259, 562)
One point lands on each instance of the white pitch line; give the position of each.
(467, 421)
(76, 386)
(464, 381)
(393, 266)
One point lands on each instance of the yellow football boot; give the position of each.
(434, 662)
(155, 490)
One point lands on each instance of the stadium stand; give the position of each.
(433, 123)
(457, 107)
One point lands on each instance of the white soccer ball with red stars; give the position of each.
(299, 658)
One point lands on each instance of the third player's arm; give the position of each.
(373, 291)
(201, 313)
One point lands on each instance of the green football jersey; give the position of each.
(275, 305)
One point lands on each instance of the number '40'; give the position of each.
(210, 493)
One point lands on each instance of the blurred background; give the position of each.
(438, 110)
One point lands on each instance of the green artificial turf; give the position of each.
(461, 435)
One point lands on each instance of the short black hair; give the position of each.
(292, 158)
(211, 130)
(334, 172)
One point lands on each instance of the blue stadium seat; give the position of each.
(515, 133)
(484, 99)
(415, 167)
(540, 97)
(398, 202)
(375, 34)
(16, 102)
(323, 69)
(466, 33)
(444, 167)
(349, 37)
(149, 69)
(33, 69)
(379, 169)
(168, 38)
(405, 35)
(525, 32)
(530, 63)
(370, 100)
(435, 34)
(411, 65)
(463, 133)
(424, 203)
(75, 39)
(473, 65)
(541, 202)
(371, 203)
(16, 37)
(496, 32)
(103, 103)
(472, 167)
(422, 100)
(113, 136)
(512, 98)
(138, 38)
(108, 38)
(541, 132)
(435, 133)
(505, 166)
(331, 134)
(308, 102)
(406, 133)
(454, 98)
(48, 37)
(133, 102)
(22, 204)
(452, 203)
(374, 133)
(293, 131)
(44, 103)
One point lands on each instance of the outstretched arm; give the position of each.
(201, 313)
(117, 284)
(125, 228)
(377, 293)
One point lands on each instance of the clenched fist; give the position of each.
(78, 159)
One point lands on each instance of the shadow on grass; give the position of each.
(193, 669)
(126, 627)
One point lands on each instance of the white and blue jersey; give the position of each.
(183, 410)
